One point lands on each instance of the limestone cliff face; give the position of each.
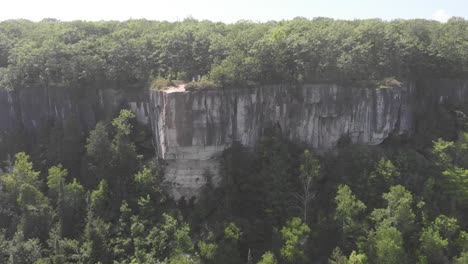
(8, 117)
(191, 129)
(32, 108)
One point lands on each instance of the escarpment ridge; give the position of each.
(190, 129)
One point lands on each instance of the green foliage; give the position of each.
(348, 209)
(337, 257)
(3, 247)
(462, 259)
(383, 176)
(257, 192)
(201, 85)
(276, 177)
(462, 241)
(98, 143)
(72, 216)
(399, 212)
(149, 180)
(356, 258)
(70, 249)
(440, 150)
(451, 157)
(144, 179)
(294, 236)
(207, 250)
(113, 160)
(24, 251)
(100, 200)
(36, 214)
(387, 171)
(98, 150)
(232, 232)
(238, 69)
(161, 84)
(122, 123)
(433, 245)
(122, 245)
(23, 173)
(228, 249)
(447, 226)
(183, 241)
(389, 248)
(129, 218)
(310, 170)
(77, 54)
(182, 259)
(167, 239)
(96, 246)
(57, 175)
(124, 161)
(268, 258)
(438, 239)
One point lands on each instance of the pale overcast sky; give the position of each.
(230, 11)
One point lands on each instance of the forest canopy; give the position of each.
(78, 53)
(102, 197)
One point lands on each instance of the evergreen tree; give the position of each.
(57, 175)
(96, 238)
(24, 251)
(98, 148)
(36, 214)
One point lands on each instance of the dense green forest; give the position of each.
(100, 197)
(281, 203)
(78, 54)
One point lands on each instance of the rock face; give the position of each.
(191, 129)
(32, 108)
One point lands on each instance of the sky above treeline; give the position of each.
(231, 11)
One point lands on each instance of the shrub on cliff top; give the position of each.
(201, 85)
(161, 84)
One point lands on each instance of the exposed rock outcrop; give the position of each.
(32, 108)
(191, 129)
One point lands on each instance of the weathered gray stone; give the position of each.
(191, 129)
(31, 108)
